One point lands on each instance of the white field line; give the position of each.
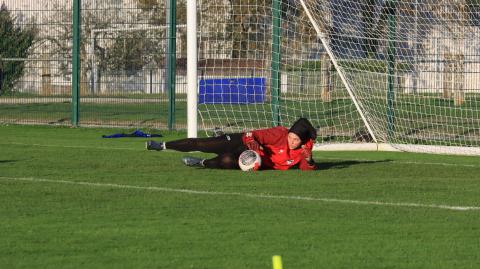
(247, 195)
(323, 158)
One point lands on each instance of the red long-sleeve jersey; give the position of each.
(275, 152)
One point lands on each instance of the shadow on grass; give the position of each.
(345, 164)
(8, 161)
(321, 165)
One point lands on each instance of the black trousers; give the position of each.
(227, 147)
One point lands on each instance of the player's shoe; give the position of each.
(192, 161)
(152, 145)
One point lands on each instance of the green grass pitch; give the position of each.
(71, 199)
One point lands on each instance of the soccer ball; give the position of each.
(249, 160)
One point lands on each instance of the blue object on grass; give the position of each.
(136, 133)
(232, 91)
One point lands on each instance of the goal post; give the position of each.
(192, 65)
(401, 74)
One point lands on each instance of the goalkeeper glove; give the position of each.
(251, 143)
(307, 154)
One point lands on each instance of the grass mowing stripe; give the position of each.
(249, 195)
(324, 158)
(63, 146)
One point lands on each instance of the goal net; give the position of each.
(401, 72)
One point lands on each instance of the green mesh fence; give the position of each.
(416, 69)
(124, 56)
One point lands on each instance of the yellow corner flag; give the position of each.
(277, 262)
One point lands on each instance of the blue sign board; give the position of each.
(231, 91)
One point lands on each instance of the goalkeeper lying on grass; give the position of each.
(280, 148)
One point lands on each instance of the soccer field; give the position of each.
(71, 199)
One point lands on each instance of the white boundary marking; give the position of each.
(248, 195)
(325, 158)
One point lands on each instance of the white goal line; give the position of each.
(247, 195)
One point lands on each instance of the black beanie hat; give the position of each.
(304, 129)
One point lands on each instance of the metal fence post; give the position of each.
(1, 75)
(171, 61)
(76, 63)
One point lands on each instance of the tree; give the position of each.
(58, 39)
(456, 23)
(155, 11)
(246, 25)
(15, 42)
(132, 50)
(237, 26)
(473, 10)
(112, 49)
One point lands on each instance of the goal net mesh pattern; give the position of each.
(403, 72)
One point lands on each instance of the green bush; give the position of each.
(15, 41)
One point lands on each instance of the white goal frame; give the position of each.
(377, 145)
